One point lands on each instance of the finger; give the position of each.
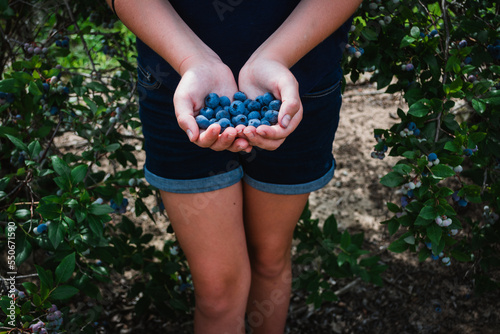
(185, 117)
(240, 144)
(209, 137)
(291, 103)
(225, 140)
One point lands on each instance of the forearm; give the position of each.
(308, 25)
(158, 25)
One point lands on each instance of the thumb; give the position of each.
(291, 103)
(184, 113)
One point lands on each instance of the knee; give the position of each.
(271, 264)
(222, 295)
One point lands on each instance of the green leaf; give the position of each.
(393, 207)
(44, 276)
(330, 228)
(56, 233)
(419, 109)
(78, 174)
(23, 248)
(392, 179)
(49, 211)
(100, 209)
(18, 143)
(22, 214)
(434, 232)
(65, 269)
(345, 241)
(452, 146)
(64, 292)
(428, 212)
(91, 104)
(61, 167)
(406, 41)
(398, 246)
(461, 256)
(8, 85)
(33, 89)
(442, 171)
(393, 226)
(30, 288)
(112, 147)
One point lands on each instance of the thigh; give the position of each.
(209, 228)
(270, 220)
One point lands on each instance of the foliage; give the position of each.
(443, 57)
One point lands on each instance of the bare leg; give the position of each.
(269, 223)
(209, 228)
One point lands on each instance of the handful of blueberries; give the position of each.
(219, 109)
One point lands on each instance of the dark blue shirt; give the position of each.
(234, 29)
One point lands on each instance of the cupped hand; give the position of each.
(261, 75)
(200, 77)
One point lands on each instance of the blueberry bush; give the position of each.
(443, 57)
(71, 188)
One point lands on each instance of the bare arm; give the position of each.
(309, 24)
(158, 25)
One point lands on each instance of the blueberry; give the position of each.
(271, 116)
(212, 100)
(45, 86)
(275, 105)
(240, 96)
(54, 110)
(351, 50)
(212, 121)
(432, 157)
(224, 123)
(224, 101)
(462, 44)
(416, 132)
(3, 95)
(222, 114)
(410, 193)
(65, 43)
(237, 108)
(254, 122)
(260, 99)
(202, 121)
(434, 33)
(208, 112)
(254, 106)
(240, 119)
(462, 203)
(410, 67)
(247, 101)
(254, 115)
(467, 60)
(468, 152)
(411, 126)
(434, 257)
(264, 122)
(404, 201)
(267, 98)
(455, 196)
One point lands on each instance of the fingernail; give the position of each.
(285, 121)
(190, 134)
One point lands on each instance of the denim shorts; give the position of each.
(303, 163)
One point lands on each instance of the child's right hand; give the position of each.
(202, 75)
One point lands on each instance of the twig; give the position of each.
(347, 287)
(85, 46)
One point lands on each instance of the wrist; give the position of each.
(198, 59)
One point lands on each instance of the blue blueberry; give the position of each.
(237, 108)
(275, 105)
(240, 119)
(240, 96)
(224, 124)
(46, 86)
(468, 152)
(351, 50)
(432, 157)
(202, 121)
(267, 98)
(410, 67)
(462, 202)
(54, 110)
(434, 257)
(212, 100)
(212, 121)
(3, 95)
(455, 196)
(260, 99)
(467, 60)
(208, 112)
(410, 193)
(254, 122)
(264, 122)
(254, 115)
(404, 201)
(224, 101)
(411, 126)
(254, 106)
(65, 43)
(433, 33)
(416, 132)
(247, 101)
(462, 44)
(271, 116)
(222, 114)
(216, 110)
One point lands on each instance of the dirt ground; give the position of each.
(416, 297)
